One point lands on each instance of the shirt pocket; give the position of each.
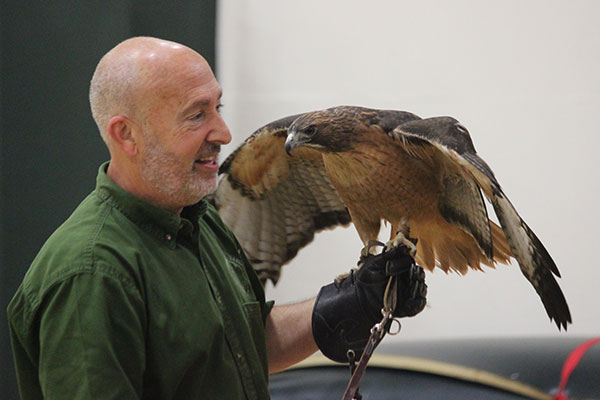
(255, 321)
(241, 277)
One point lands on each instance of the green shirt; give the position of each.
(128, 301)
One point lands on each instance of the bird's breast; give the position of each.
(383, 181)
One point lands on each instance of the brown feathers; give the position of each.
(373, 166)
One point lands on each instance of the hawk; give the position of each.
(304, 173)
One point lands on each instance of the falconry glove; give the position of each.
(347, 309)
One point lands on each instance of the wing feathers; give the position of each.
(461, 203)
(453, 140)
(535, 262)
(533, 258)
(502, 253)
(273, 203)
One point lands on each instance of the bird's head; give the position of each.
(326, 131)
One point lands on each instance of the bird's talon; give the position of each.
(409, 244)
(368, 251)
(363, 258)
(341, 277)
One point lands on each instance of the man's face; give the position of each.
(182, 135)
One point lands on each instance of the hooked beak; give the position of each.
(290, 144)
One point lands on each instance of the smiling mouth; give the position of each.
(207, 161)
(206, 158)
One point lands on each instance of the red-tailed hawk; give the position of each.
(304, 173)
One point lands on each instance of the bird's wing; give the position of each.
(453, 140)
(275, 203)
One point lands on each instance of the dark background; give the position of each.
(50, 147)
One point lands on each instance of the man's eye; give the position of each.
(219, 107)
(197, 116)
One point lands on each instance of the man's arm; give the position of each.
(288, 332)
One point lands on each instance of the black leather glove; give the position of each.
(346, 310)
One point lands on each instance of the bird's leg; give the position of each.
(367, 229)
(365, 253)
(402, 238)
(368, 250)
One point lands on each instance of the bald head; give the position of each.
(134, 73)
(157, 105)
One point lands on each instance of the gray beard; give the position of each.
(179, 184)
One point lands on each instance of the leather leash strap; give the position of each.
(377, 333)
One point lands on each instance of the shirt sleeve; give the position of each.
(91, 338)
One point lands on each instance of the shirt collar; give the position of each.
(146, 215)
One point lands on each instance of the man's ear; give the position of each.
(120, 129)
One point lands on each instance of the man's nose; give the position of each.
(220, 132)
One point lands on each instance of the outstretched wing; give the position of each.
(275, 203)
(450, 138)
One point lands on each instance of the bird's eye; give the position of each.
(461, 128)
(310, 130)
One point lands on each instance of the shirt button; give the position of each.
(168, 237)
(239, 356)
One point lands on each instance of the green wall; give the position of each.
(50, 148)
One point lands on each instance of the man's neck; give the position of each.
(132, 183)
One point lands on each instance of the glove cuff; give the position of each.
(338, 323)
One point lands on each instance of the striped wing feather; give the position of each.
(275, 203)
(452, 139)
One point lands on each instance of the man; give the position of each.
(143, 292)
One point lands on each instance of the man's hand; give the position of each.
(346, 310)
